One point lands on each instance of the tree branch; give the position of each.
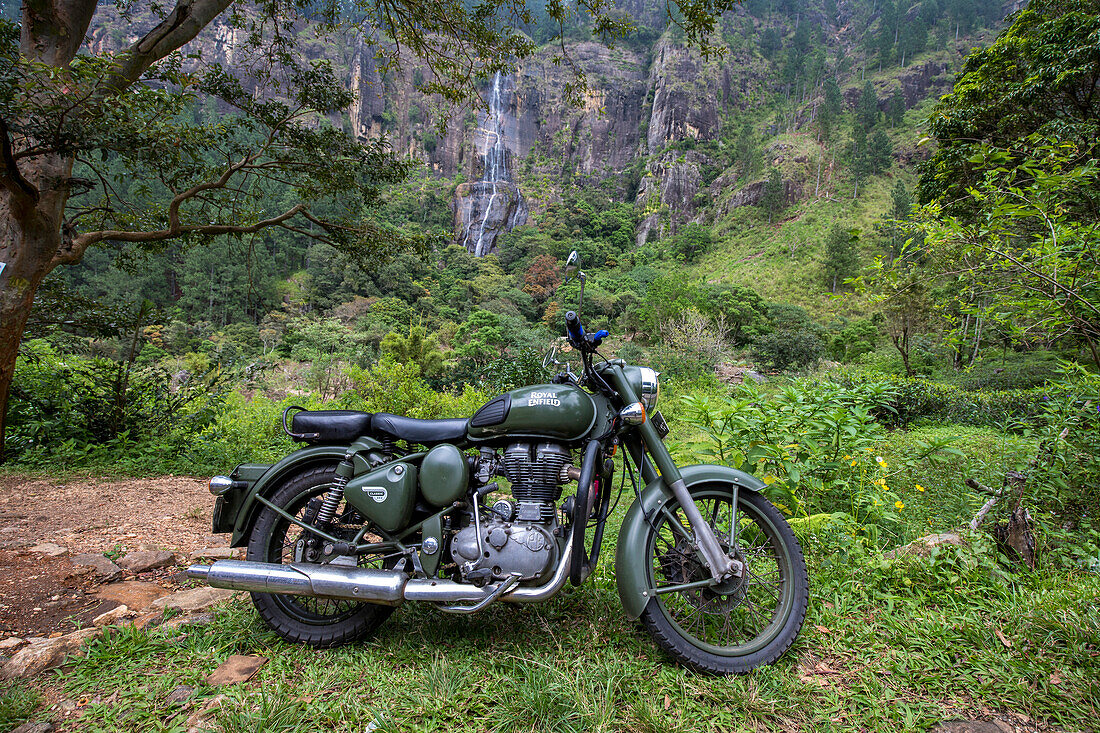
(181, 26)
(23, 192)
(83, 241)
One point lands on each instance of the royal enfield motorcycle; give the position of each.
(379, 509)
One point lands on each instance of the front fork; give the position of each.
(716, 560)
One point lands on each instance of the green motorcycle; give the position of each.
(380, 509)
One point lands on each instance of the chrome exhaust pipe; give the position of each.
(301, 579)
(386, 587)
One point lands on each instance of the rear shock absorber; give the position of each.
(344, 471)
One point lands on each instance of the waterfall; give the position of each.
(480, 233)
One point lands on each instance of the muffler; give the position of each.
(386, 587)
(324, 581)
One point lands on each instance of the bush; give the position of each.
(917, 399)
(815, 445)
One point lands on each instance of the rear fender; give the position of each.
(248, 506)
(630, 559)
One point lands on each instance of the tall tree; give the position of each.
(74, 124)
(774, 199)
(841, 257)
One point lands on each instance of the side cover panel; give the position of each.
(630, 559)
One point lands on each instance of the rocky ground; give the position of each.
(79, 554)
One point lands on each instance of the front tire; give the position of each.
(744, 623)
(319, 622)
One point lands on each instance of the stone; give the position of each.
(181, 694)
(49, 549)
(11, 642)
(144, 560)
(115, 615)
(34, 727)
(198, 619)
(216, 553)
(194, 599)
(134, 594)
(236, 669)
(46, 654)
(922, 546)
(101, 565)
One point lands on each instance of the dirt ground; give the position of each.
(42, 595)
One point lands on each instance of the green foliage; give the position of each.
(417, 347)
(1067, 467)
(17, 704)
(75, 405)
(1036, 80)
(914, 400)
(774, 199)
(815, 447)
(398, 388)
(841, 255)
(691, 242)
(479, 338)
(1025, 263)
(854, 339)
(795, 341)
(867, 113)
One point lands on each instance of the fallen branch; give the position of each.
(993, 496)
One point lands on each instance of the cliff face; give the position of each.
(653, 119)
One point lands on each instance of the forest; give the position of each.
(867, 273)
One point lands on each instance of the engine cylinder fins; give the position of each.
(535, 471)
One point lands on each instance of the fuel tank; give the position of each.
(555, 411)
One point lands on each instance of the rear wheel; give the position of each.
(745, 622)
(319, 622)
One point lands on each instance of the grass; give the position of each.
(867, 659)
(887, 646)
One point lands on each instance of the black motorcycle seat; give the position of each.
(424, 432)
(337, 426)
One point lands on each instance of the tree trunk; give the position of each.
(30, 247)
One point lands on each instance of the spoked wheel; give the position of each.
(745, 622)
(319, 622)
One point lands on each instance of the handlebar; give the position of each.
(574, 328)
(577, 336)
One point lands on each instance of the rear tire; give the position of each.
(319, 622)
(745, 623)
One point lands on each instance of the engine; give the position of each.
(516, 537)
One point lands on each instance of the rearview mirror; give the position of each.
(572, 264)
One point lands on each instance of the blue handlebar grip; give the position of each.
(599, 336)
(573, 326)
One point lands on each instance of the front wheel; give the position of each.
(745, 622)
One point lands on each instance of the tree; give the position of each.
(774, 199)
(77, 128)
(1038, 77)
(1023, 262)
(841, 256)
(880, 152)
(415, 348)
(860, 163)
(895, 109)
(867, 107)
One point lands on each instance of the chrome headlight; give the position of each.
(650, 388)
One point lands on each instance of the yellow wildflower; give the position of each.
(899, 505)
(881, 461)
(920, 488)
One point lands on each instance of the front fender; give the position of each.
(630, 559)
(297, 461)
